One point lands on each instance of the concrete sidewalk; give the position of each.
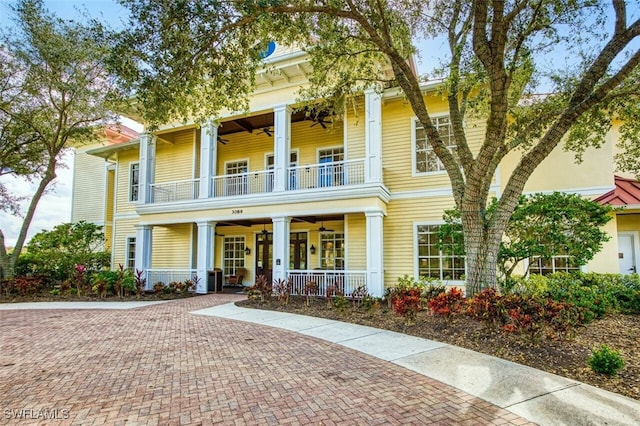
(541, 397)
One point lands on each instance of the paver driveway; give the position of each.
(161, 365)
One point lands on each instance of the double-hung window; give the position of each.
(438, 258)
(130, 261)
(331, 167)
(233, 254)
(556, 263)
(426, 160)
(134, 181)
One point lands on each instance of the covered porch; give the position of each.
(316, 253)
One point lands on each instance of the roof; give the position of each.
(625, 193)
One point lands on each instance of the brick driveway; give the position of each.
(160, 365)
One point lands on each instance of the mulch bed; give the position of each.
(562, 355)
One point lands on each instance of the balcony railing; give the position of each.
(316, 282)
(243, 183)
(324, 175)
(180, 190)
(311, 176)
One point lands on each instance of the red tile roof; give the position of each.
(626, 193)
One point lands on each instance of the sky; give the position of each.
(55, 206)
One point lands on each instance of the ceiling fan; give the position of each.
(222, 141)
(323, 229)
(267, 131)
(264, 230)
(320, 118)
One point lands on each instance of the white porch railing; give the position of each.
(167, 276)
(180, 190)
(320, 280)
(243, 183)
(324, 175)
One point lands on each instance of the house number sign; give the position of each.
(237, 211)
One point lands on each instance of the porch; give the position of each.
(312, 282)
(308, 177)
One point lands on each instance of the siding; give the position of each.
(124, 228)
(122, 194)
(355, 121)
(356, 225)
(88, 188)
(175, 161)
(171, 246)
(399, 256)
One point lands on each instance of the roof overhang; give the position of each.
(108, 151)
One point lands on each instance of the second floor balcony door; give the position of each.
(237, 177)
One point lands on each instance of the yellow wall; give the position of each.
(356, 225)
(399, 243)
(175, 161)
(172, 246)
(124, 228)
(125, 158)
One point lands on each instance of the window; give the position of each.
(426, 159)
(437, 260)
(559, 263)
(237, 177)
(330, 173)
(293, 161)
(233, 254)
(134, 181)
(130, 261)
(332, 254)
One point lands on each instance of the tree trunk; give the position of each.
(8, 261)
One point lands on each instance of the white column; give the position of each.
(147, 167)
(373, 136)
(375, 253)
(208, 157)
(206, 249)
(281, 146)
(281, 227)
(143, 250)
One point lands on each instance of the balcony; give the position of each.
(307, 177)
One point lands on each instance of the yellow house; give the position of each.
(354, 201)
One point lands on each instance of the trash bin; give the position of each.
(214, 280)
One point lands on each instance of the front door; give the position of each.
(298, 250)
(626, 253)
(264, 255)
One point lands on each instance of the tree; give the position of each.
(55, 92)
(179, 53)
(542, 225)
(55, 253)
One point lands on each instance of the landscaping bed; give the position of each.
(566, 356)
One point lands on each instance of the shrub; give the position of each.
(358, 294)
(486, 307)
(340, 303)
(261, 287)
(449, 303)
(140, 282)
(282, 289)
(310, 289)
(158, 288)
(606, 361)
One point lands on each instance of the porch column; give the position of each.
(208, 158)
(206, 249)
(375, 253)
(281, 147)
(373, 136)
(281, 226)
(147, 167)
(143, 251)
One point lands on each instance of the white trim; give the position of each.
(294, 197)
(327, 148)
(436, 192)
(73, 180)
(125, 216)
(226, 172)
(586, 191)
